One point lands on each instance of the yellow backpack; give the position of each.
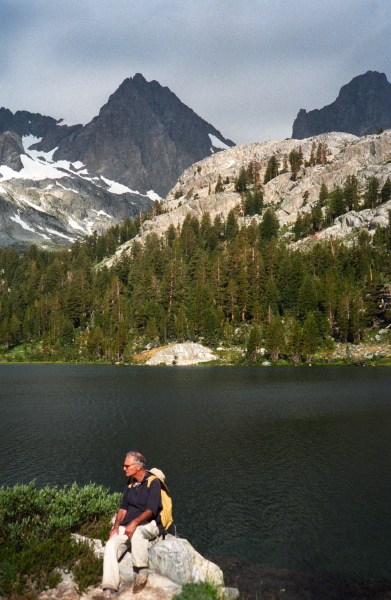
(166, 512)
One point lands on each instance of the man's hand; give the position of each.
(113, 531)
(130, 529)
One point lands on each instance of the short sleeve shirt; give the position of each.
(139, 498)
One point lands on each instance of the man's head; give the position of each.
(134, 465)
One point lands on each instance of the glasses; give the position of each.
(128, 466)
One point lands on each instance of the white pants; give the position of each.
(119, 543)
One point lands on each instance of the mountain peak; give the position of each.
(362, 107)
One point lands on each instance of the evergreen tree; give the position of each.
(294, 341)
(253, 344)
(351, 192)
(241, 181)
(231, 225)
(269, 225)
(295, 161)
(371, 195)
(219, 185)
(323, 193)
(309, 341)
(274, 338)
(271, 169)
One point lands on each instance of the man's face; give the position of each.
(129, 467)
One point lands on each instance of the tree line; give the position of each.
(209, 281)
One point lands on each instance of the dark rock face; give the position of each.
(144, 137)
(10, 150)
(363, 106)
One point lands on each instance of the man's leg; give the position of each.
(115, 547)
(140, 540)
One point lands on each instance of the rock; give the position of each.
(231, 593)
(187, 353)
(266, 363)
(10, 150)
(177, 560)
(172, 562)
(157, 588)
(96, 545)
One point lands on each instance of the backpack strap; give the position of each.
(162, 484)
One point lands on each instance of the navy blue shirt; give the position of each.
(139, 498)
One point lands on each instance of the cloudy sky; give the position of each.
(245, 66)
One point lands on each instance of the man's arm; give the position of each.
(131, 528)
(118, 520)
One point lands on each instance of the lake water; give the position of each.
(288, 467)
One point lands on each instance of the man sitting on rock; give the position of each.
(137, 521)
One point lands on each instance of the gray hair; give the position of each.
(138, 458)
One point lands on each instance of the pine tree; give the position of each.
(309, 341)
(323, 193)
(219, 185)
(274, 338)
(294, 341)
(296, 161)
(253, 344)
(371, 195)
(271, 169)
(269, 225)
(351, 192)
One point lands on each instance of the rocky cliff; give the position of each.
(194, 193)
(363, 107)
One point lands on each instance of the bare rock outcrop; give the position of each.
(347, 155)
(184, 354)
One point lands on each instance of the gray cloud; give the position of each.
(246, 68)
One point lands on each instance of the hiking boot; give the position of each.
(140, 582)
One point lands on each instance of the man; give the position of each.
(137, 522)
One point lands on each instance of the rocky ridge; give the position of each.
(193, 194)
(52, 203)
(363, 106)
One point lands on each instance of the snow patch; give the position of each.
(26, 201)
(75, 225)
(231, 162)
(65, 188)
(117, 188)
(32, 169)
(153, 195)
(17, 218)
(217, 143)
(40, 156)
(60, 234)
(2, 190)
(101, 212)
(29, 140)
(78, 164)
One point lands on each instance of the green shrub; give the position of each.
(35, 535)
(198, 591)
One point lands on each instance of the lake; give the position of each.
(288, 467)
